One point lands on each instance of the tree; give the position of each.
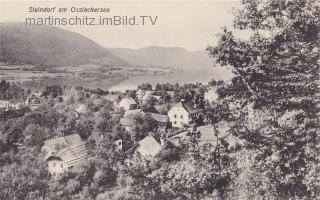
(35, 135)
(10, 91)
(145, 86)
(104, 122)
(84, 126)
(277, 71)
(141, 125)
(148, 105)
(52, 91)
(26, 178)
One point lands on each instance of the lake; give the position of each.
(200, 75)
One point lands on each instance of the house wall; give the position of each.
(56, 167)
(178, 117)
(126, 106)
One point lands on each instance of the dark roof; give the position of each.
(160, 118)
(187, 107)
(127, 113)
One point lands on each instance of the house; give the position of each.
(33, 101)
(4, 105)
(162, 122)
(148, 147)
(211, 95)
(52, 146)
(128, 113)
(17, 106)
(82, 109)
(143, 95)
(111, 97)
(127, 103)
(126, 124)
(7, 105)
(126, 120)
(68, 158)
(119, 144)
(183, 114)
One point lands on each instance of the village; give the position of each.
(217, 101)
(170, 116)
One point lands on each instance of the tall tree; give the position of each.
(277, 72)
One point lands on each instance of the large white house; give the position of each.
(63, 153)
(127, 103)
(183, 114)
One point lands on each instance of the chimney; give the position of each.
(162, 141)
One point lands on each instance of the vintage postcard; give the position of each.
(159, 100)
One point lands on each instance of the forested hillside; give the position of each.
(50, 47)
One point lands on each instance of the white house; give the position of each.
(183, 114)
(128, 103)
(68, 158)
(7, 105)
(147, 147)
(33, 101)
(4, 105)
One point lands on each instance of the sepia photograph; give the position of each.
(159, 100)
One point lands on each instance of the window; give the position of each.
(175, 116)
(175, 122)
(61, 165)
(54, 164)
(53, 173)
(181, 116)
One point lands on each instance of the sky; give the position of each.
(192, 25)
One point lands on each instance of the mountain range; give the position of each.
(51, 47)
(164, 56)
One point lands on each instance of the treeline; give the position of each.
(11, 91)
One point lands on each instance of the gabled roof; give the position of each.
(82, 108)
(111, 97)
(156, 97)
(74, 155)
(139, 92)
(160, 118)
(128, 100)
(150, 145)
(69, 140)
(187, 107)
(125, 122)
(131, 112)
